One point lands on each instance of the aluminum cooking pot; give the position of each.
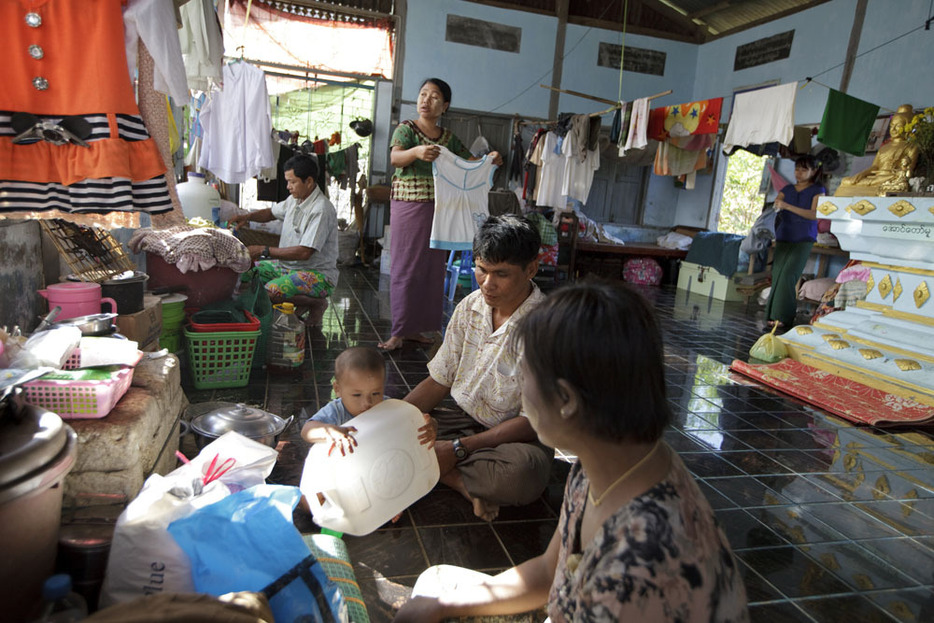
(94, 324)
(258, 425)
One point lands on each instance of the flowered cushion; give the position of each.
(643, 271)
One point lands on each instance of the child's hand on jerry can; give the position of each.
(429, 432)
(341, 437)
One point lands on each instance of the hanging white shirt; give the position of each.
(202, 44)
(554, 170)
(461, 199)
(153, 22)
(578, 175)
(762, 116)
(237, 126)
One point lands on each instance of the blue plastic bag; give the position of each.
(247, 542)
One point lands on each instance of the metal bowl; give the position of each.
(258, 425)
(95, 324)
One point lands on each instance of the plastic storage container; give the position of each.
(77, 298)
(37, 450)
(387, 472)
(285, 349)
(199, 199)
(219, 360)
(60, 603)
(201, 286)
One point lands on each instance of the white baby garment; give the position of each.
(461, 199)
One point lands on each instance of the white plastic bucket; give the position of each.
(387, 472)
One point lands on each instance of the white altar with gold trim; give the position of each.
(886, 341)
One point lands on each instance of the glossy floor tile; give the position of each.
(832, 521)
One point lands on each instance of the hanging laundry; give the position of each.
(578, 174)
(554, 172)
(847, 123)
(94, 153)
(762, 116)
(515, 158)
(153, 22)
(343, 164)
(673, 159)
(273, 187)
(461, 199)
(625, 120)
(638, 124)
(202, 44)
(701, 117)
(615, 124)
(237, 126)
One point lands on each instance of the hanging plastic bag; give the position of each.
(144, 558)
(769, 348)
(246, 542)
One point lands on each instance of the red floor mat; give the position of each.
(849, 399)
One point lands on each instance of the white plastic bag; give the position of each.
(144, 558)
(48, 348)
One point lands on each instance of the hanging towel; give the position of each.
(461, 199)
(778, 182)
(762, 116)
(625, 109)
(638, 124)
(701, 117)
(847, 123)
(615, 124)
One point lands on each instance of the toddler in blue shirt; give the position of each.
(359, 381)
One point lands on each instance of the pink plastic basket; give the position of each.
(75, 400)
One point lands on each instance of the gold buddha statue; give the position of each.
(892, 166)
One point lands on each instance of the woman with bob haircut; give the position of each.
(636, 539)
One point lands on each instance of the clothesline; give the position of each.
(809, 80)
(615, 105)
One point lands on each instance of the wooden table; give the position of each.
(597, 257)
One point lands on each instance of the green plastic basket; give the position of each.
(254, 298)
(220, 359)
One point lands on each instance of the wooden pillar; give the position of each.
(853, 46)
(561, 11)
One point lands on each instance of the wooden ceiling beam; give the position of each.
(700, 32)
(772, 18)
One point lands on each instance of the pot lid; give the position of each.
(217, 418)
(174, 298)
(29, 440)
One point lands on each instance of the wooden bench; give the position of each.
(608, 259)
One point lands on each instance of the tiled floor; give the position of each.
(833, 522)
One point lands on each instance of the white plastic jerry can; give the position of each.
(386, 473)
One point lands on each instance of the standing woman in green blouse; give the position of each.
(416, 279)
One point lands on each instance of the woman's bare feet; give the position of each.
(418, 337)
(393, 343)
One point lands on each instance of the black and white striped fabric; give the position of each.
(112, 194)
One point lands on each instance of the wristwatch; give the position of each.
(265, 254)
(460, 451)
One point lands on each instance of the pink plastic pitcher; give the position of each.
(77, 299)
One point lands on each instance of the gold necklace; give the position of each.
(599, 499)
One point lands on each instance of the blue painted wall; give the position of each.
(481, 79)
(492, 81)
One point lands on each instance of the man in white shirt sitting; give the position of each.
(303, 268)
(489, 451)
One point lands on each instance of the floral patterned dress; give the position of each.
(661, 557)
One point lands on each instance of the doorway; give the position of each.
(743, 192)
